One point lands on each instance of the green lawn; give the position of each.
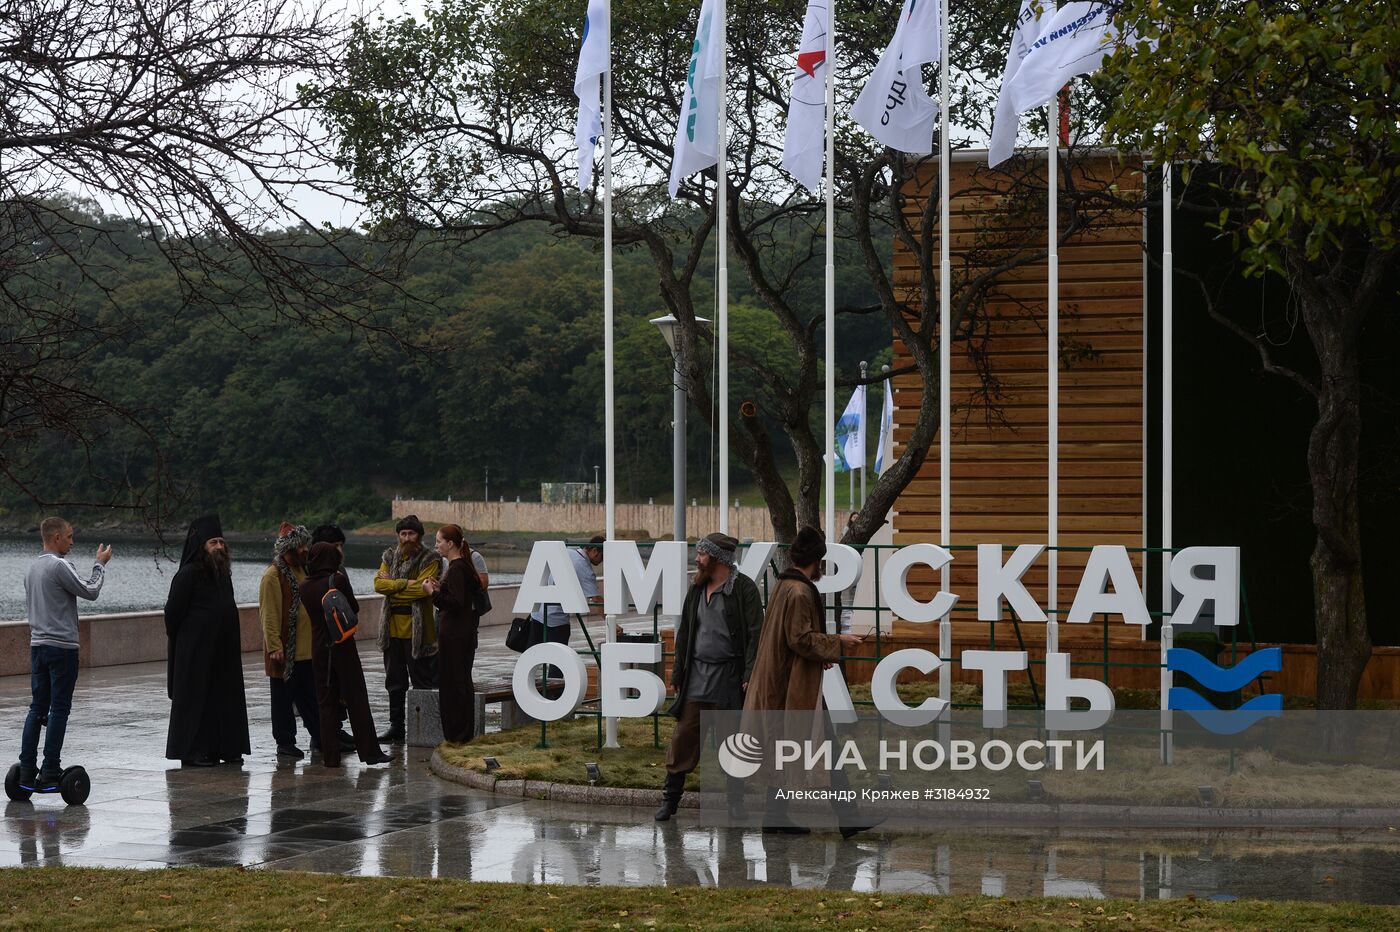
(86, 898)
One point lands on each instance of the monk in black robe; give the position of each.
(204, 675)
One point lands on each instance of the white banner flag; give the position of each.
(886, 428)
(697, 131)
(588, 87)
(850, 433)
(1075, 41)
(1034, 14)
(894, 106)
(804, 144)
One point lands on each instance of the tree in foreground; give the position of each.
(1295, 108)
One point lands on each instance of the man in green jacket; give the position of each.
(715, 647)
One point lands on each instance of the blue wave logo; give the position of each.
(1223, 680)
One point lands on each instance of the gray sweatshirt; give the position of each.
(51, 590)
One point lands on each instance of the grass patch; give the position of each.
(88, 898)
(638, 763)
(1133, 774)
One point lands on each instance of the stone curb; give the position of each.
(1027, 813)
(556, 792)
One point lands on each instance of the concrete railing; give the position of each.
(583, 521)
(139, 637)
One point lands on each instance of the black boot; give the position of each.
(673, 790)
(851, 822)
(734, 797)
(775, 818)
(395, 733)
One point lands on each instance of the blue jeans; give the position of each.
(53, 672)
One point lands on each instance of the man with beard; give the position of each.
(792, 653)
(208, 710)
(407, 630)
(287, 642)
(715, 646)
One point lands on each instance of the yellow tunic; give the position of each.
(406, 592)
(272, 611)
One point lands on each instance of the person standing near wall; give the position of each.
(408, 632)
(458, 626)
(340, 679)
(287, 642)
(51, 590)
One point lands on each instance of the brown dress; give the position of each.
(458, 624)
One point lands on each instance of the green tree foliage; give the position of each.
(263, 419)
(1294, 106)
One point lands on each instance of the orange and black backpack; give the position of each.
(341, 620)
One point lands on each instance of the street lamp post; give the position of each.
(667, 326)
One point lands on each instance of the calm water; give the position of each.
(138, 577)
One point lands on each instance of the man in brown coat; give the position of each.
(793, 650)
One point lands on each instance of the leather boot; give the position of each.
(776, 821)
(672, 792)
(734, 797)
(395, 733)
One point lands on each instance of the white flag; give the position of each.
(886, 428)
(1075, 41)
(1034, 14)
(588, 87)
(697, 131)
(894, 106)
(804, 144)
(850, 433)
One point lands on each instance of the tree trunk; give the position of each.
(1334, 450)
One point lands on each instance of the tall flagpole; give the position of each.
(609, 427)
(1166, 636)
(1052, 301)
(945, 351)
(722, 263)
(830, 461)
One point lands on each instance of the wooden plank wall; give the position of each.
(1000, 464)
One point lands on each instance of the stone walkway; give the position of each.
(400, 820)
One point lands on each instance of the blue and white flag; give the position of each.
(697, 130)
(588, 87)
(1075, 41)
(894, 106)
(850, 433)
(1034, 15)
(886, 428)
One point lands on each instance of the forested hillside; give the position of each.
(499, 366)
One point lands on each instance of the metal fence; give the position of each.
(884, 620)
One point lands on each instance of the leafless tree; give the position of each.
(184, 127)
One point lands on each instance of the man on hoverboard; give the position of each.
(51, 590)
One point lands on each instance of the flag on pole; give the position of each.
(804, 143)
(886, 428)
(1075, 41)
(697, 131)
(894, 106)
(588, 87)
(1033, 15)
(850, 433)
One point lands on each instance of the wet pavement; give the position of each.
(400, 820)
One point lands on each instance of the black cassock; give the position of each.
(204, 665)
